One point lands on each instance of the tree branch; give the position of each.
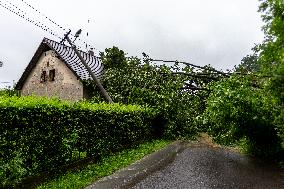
(197, 76)
(189, 64)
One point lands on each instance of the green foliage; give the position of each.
(272, 49)
(38, 134)
(8, 92)
(248, 64)
(113, 57)
(237, 109)
(276, 89)
(133, 81)
(248, 110)
(108, 165)
(272, 55)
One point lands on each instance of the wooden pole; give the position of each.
(97, 81)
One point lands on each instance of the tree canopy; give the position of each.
(245, 105)
(249, 109)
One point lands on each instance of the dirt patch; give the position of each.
(205, 140)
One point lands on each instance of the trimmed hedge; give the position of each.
(39, 134)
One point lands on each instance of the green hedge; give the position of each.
(38, 134)
(8, 92)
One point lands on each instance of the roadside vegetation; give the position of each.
(243, 107)
(248, 109)
(8, 92)
(39, 134)
(154, 103)
(107, 166)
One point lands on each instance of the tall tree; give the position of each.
(272, 56)
(272, 49)
(248, 64)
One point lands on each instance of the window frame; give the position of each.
(51, 75)
(43, 76)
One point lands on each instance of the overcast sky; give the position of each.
(219, 32)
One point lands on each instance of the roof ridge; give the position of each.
(47, 39)
(68, 55)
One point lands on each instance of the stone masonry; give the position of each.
(51, 77)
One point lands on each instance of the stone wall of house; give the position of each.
(63, 84)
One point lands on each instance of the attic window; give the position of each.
(51, 75)
(43, 77)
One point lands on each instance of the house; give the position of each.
(55, 70)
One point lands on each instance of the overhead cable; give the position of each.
(24, 16)
(32, 7)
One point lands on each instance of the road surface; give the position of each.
(209, 167)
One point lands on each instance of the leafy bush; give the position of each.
(38, 134)
(250, 109)
(8, 92)
(276, 89)
(136, 81)
(271, 57)
(239, 109)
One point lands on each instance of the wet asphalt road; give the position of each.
(208, 167)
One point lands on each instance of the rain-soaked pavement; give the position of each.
(214, 167)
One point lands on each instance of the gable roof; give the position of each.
(69, 57)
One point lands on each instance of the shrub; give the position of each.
(239, 109)
(140, 81)
(38, 134)
(8, 92)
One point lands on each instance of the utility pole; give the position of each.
(97, 81)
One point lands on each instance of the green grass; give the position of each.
(107, 166)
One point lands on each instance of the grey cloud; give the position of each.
(218, 32)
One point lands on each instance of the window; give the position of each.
(43, 77)
(51, 75)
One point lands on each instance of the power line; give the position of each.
(32, 7)
(17, 8)
(52, 21)
(24, 13)
(38, 24)
(19, 12)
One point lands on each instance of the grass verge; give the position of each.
(107, 166)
